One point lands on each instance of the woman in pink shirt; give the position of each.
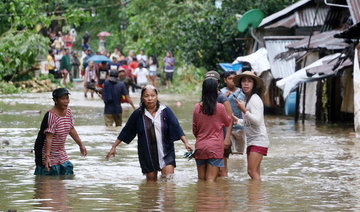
(209, 118)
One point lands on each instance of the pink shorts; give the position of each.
(258, 149)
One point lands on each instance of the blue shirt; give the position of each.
(239, 95)
(112, 94)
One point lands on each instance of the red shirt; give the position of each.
(208, 131)
(60, 127)
(133, 65)
(127, 70)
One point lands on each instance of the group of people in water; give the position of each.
(222, 121)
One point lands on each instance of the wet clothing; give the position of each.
(112, 94)
(60, 127)
(156, 136)
(211, 161)
(254, 123)
(258, 149)
(208, 131)
(66, 168)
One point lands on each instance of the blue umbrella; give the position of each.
(98, 59)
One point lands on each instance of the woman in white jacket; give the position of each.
(253, 121)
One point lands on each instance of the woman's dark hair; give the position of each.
(209, 96)
(142, 105)
(155, 62)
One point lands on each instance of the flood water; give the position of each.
(309, 167)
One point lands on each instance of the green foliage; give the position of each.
(188, 79)
(199, 34)
(19, 51)
(8, 88)
(21, 44)
(196, 31)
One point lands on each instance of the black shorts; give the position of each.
(169, 76)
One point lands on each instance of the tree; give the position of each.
(20, 40)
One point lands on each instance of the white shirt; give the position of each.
(254, 123)
(141, 75)
(157, 125)
(142, 58)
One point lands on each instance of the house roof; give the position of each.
(302, 18)
(275, 45)
(324, 40)
(283, 12)
(321, 69)
(329, 67)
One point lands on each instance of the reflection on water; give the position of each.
(257, 196)
(309, 167)
(51, 193)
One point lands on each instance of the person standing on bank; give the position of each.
(156, 128)
(253, 121)
(209, 118)
(112, 94)
(169, 63)
(153, 65)
(50, 155)
(237, 136)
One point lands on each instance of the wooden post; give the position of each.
(297, 104)
(304, 96)
(356, 78)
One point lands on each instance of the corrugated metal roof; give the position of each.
(283, 12)
(303, 18)
(354, 7)
(324, 40)
(274, 46)
(327, 67)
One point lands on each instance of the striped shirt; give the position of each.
(60, 127)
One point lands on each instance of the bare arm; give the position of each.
(188, 147)
(128, 99)
(48, 142)
(112, 151)
(228, 110)
(73, 133)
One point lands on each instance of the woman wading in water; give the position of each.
(157, 128)
(257, 140)
(50, 155)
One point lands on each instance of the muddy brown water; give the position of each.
(309, 167)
